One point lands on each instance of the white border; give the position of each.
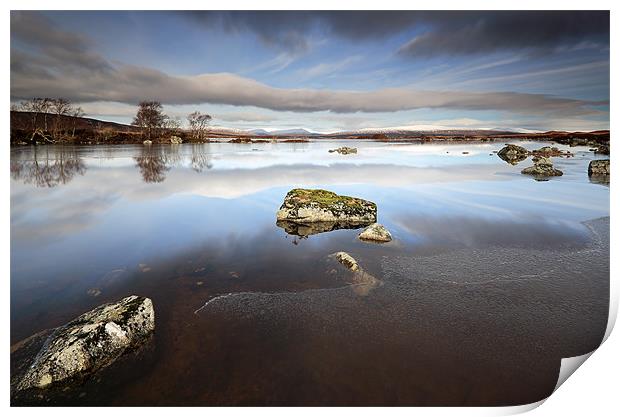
(592, 391)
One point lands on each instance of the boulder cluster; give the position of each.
(543, 167)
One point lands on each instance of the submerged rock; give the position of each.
(598, 167)
(347, 260)
(90, 342)
(376, 232)
(94, 292)
(513, 154)
(362, 281)
(305, 206)
(543, 167)
(344, 150)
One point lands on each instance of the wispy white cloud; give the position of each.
(328, 68)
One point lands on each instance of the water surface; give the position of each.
(482, 258)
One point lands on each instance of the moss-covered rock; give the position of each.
(305, 206)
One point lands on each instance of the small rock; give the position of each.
(175, 140)
(147, 142)
(376, 232)
(602, 149)
(344, 150)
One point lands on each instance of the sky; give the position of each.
(324, 71)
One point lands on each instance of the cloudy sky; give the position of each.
(323, 71)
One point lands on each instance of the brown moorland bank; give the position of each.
(43, 128)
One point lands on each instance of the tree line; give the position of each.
(48, 117)
(153, 121)
(56, 119)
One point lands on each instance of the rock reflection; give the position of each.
(47, 167)
(513, 159)
(599, 179)
(305, 230)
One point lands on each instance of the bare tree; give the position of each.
(150, 117)
(37, 107)
(172, 124)
(75, 113)
(198, 123)
(60, 111)
(60, 107)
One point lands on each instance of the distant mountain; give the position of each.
(515, 130)
(221, 130)
(258, 132)
(422, 131)
(284, 132)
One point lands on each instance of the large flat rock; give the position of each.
(306, 206)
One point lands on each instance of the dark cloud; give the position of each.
(483, 32)
(433, 32)
(65, 65)
(57, 49)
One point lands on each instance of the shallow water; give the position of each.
(492, 276)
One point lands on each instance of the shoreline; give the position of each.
(572, 141)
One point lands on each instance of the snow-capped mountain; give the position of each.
(282, 132)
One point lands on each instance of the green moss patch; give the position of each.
(325, 198)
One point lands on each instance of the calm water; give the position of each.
(492, 276)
